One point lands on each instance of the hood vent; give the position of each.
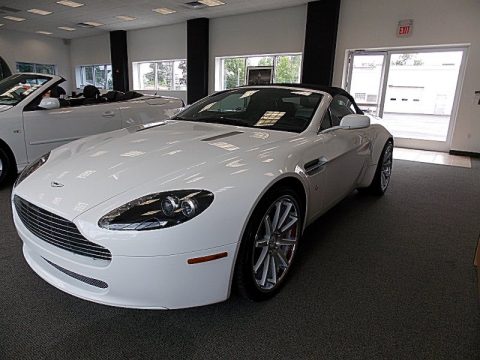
(232, 133)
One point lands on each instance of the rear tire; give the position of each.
(6, 168)
(269, 245)
(381, 180)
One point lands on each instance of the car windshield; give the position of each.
(15, 88)
(274, 108)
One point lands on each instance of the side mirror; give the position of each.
(49, 103)
(355, 121)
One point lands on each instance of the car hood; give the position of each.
(87, 172)
(5, 107)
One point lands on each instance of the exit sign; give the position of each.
(405, 28)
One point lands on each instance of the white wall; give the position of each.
(159, 43)
(90, 50)
(266, 32)
(372, 24)
(16, 46)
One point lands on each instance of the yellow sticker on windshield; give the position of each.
(270, 118)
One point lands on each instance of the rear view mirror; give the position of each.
(355, 121)
(49, 103)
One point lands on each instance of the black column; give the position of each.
(197, 59)
(119, 56)
(320, 41)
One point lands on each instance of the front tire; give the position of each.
(269, 245)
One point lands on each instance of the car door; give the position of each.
(48, 129)
(339, 154)
(346, 151)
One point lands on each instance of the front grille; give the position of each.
(57, 231)
(87, 280)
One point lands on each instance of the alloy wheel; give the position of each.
(275, 243)
(386, 171)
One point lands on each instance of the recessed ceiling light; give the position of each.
(44, 32)
(164, 11)
(66, 28)
(72, 4)
(14, 18)
(39, 12)
(92, 23)
(126, 18)
(1, 25)
(211, 2)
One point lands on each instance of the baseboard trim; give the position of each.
(464, 153)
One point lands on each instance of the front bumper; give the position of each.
(149, 282)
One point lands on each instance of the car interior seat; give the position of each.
(91, 95)
(113, 96)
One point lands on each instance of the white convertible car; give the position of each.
(173, 215)
(34, 119)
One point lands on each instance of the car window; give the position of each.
(17, 87)
(339, 107)
(274, 108)
(326, 121)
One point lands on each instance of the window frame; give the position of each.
(35, 66)
(220, 67)
(81, 78)
(138, 83)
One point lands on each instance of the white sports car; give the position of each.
(173, 215)
(36, 118)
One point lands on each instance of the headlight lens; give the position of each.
(30, 169)
(157, 211)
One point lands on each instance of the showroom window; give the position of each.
(23, 67)
(97, 75)
(232, 71)
(160, 75)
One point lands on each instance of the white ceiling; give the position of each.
(105, 12)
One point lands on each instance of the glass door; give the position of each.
(365, 79)
(414, 92)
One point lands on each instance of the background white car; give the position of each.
(172, 215)
(35, 118)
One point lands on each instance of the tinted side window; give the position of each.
(340, 107)
(326, 121)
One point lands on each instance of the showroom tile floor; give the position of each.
(432, 157)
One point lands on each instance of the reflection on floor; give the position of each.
(417, 126)
(432, 157)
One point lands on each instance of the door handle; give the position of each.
(108, 114)
(315, 166)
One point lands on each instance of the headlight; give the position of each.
(158, 211)
(30, 169)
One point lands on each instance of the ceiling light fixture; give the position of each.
(211, 2)
(164, 11)
(90, 24)
(1, 25)
(14, 18)
(39, 12)
(72, 4)
(66, 28)
(44, 32)
(126, 18)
